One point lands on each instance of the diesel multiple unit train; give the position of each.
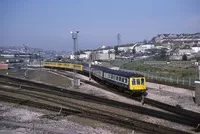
(128, 81)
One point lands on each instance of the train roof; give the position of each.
(107, 70)
(118, 72)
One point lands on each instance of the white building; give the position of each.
(105, 50)
(142, 48)
(184, 51)
(196, 49)
(7, 55)
(126, 48)
(88, 52)
(71, 57)
(104, 56)
(83, 56)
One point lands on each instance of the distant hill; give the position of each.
(176, 37)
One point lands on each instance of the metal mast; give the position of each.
(74, 37)
(118, 39)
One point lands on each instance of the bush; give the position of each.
(184, 57)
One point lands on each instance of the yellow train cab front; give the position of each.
(137, 83)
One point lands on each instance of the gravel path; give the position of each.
(173, 96)
(23, 120)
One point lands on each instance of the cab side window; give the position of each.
(142, 81)
(133, 82)
(138, 81)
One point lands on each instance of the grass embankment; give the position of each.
(188, 71)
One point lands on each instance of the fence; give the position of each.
(176, 80)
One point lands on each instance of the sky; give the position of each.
(47, 24)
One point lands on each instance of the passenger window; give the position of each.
(122, 79)
(112, 76)
(125, 80)
(138, 81)
(142, 81)
(133, 82)
(119, 78)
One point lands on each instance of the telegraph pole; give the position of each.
(40, 63)
(40, 59)
(90, 70)
(74, 37)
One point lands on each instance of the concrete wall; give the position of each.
(103, 56)
(179, 57)
(3, 66)
(197, 92)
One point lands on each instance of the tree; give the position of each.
(186, 47)
(198, 59)
(163, 53)
(110, 52)
(59, 57)
(116, 50)
(158, 44)
(133, 51)
(184, 57)
(145, 41)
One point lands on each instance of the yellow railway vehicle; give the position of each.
(137, 83)
(123, 80)
(77, 67)
(120, 79)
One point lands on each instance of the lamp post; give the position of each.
(26, 47)
(74, 37)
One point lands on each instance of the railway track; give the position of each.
(122, 121)
(154, 103)
(42, 88)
